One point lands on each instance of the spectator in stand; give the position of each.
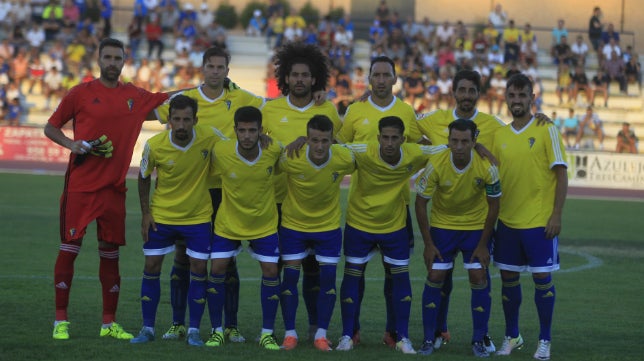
(557, 121)
(495, 59)
(425, 34)
(204, 17)
(570, 127)
(615, 69)
(87, 75)
(579, 51)
(19, 68)
(22, 13)
(52, 17)
(274, 7)
(496, 93)
(293, 33)
(154, 36)
(610, 47)
(134, 36)
(275, 29)
(464, 58)
(564, 82)
(529, 53)
(151, 6)
(590, 124)
(633, 72)
(527, 34)
(53, 86)
(5, 11)
(410, 30)
(35, 38)
(444, 84)
(143, 75)
(581, 83)
(595, 29)
(511, 40)
(188, 13)
(599, 85)
(183, 44)
(36, 74)
(491, 34)
(377, 34)
(325, 32)
(382, 14)
(129, 71)
(498, 18)
(359, 82)
(394, 23)
(106, 16)
(626, 140)
(446, 57)
(294, 18)
(14, 111)
(414, 88)
(169, 15)
(348, 24)
(71, 13)
(562, 53)
(480, 46)
(610, 33)
(445, 34)
(217, 34)
(74, 55)
(429, 61)
(342, 37)
(558, 32)
(256, 25)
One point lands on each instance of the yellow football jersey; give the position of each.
(247, 209)
(376, 204)
(312, 202)
(526, 158)
(219, 112)
(181, 190)
(458, 195)
(361, 121)
(434, 125)
(285, 122)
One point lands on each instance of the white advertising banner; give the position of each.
(606, 170)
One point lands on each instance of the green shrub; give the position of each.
(226, 15)
(310, 14)
(336, 14)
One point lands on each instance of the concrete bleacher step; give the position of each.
(620, 102)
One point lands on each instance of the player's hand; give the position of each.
(553, 227)
(101, 147)
(293, 149)
(80, 147)
(482, 254)
(430, 254)
(230, 85)
(542, 119)
(265, 141)
(147, 224)
(485, 153)
(319, 96)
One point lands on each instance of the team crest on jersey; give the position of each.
(228, 102)
(130, 104)
(204, 153)
(478, 182)
(269, 170)
(410, 168)
(531, 141)
(335, 176)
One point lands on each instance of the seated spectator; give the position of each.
(564, 82)
(359, 81)
(557, 121)
(562, 53)
(446, 57)
(376, 33)
(154, 36)
(491, 34)
(14, 111)
(627, 141)
(52, 17)
(633, 72)
(599, 85)
(256, 25)
(425, 34)
(36, 74)
(342, 37)
(134, 36)
(558, 32)
(71, 13)
(615, 69)
(527, 34)
(529, 52)
(410, 30)
(429, 61)
(579, 51)
(480, 46)
(627, 54)
(217, 34)
(205, 17)
(35, 37)
(169, 15)
(495, 58)
(496, 92)
(464, 58)
(129, 71)
(445, 34)
(610, 33)
(294, 18)
(581, 83)
(444, 84)
(511, 40)
(431, 93)
(590, 125)
(570, 127)
(53, 86)
(414, 88)
(609, 48)
(293, 33)
(326, 32)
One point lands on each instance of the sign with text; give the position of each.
(605, 170)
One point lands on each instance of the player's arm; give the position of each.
(431, 252)
(482, 252)
(147, 221)
(485, 153)
(553, 227)
(58, 137)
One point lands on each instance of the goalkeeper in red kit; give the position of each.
(107, 116)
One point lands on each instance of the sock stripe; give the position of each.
(512, 283)
(399, 269)
(431, 284)
(111, 254)
(295, 267)
(148, 276)
(353, 272)
(71, 248)
(475, 286)
(216, 279)
(544, 287)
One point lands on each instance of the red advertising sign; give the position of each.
(30, 144)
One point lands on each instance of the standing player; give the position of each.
(217, 105)
(465, 190)
(535, 181)
(361, 125)
(247, 212)
(300, 70)
(376, 217)
(112, 113)
(311, 220)
(434, 125)
(179, 209)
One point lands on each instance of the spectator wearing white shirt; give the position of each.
(425, 32)
(21, 12)
(342, 37)
(445, 34)
(498, 17)
(608, 49)
(204, 17)
(35, 36)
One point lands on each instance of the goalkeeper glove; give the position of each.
(101, 147)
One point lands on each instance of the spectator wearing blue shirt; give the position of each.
(570, 126)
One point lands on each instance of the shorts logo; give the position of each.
(130, 104)
(72, 232)
(531, 141)
(335, 176)
(204, 153)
